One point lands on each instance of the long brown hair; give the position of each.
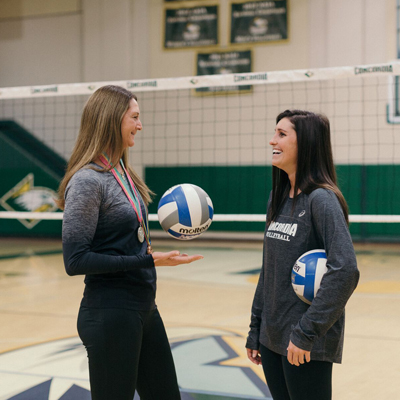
(315, 168)
(100, 132)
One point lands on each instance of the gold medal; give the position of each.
(140, 234)
(149, 250)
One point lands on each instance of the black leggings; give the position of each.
(127, 350)
(309, 381)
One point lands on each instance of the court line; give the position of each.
(30, 254)
(381, 338)
(37, 314)
(42, 375)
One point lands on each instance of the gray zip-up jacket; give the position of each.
(278, 315)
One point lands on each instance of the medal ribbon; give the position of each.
(145, 218)
(131, 194)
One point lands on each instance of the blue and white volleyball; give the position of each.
(307, 274)
(185, 211)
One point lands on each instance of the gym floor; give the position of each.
(206, 309)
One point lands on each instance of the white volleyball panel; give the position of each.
(301, 269)
(194, 204)
(166, 210)
(319, 273)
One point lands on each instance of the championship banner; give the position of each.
(217, 63)
(191, 27)
(259, 21)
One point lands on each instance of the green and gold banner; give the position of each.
(229, 62)
(259, 21)
(191, 27)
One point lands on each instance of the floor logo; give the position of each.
(211, 364)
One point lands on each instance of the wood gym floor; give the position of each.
(205, 307)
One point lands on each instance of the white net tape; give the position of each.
(217, 217)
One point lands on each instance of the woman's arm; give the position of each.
(253, 338)
(342, 276)
(83, 199)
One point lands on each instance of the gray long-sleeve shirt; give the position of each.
(100, 241)
(278, 315)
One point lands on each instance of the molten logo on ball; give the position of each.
(195, 230)
(185, 211)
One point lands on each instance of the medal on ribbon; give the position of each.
(134, 198)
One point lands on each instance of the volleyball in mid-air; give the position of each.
(307, 274)
(185, 211)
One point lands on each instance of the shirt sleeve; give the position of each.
(83, 198)
(253, 338)
(342, 275)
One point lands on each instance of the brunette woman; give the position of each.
(297, 343)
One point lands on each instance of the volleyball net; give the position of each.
(212, 131)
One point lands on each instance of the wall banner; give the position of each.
(232, 62)
(191, 27)
(259, 21)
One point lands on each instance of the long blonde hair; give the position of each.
(100, 132)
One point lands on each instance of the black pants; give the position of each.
(127, 350)
(309, 381)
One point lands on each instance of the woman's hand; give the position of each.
(296, 355)
(254, 356)
(173, 258)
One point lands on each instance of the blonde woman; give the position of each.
(106, 238)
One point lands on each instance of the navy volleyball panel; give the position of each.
(311, 261)
(210, 212)
(183, 208)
